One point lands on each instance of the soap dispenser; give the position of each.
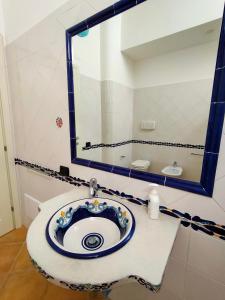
(153, 202)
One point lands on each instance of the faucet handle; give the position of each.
(175, 164)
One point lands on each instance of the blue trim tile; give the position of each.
(80, 161)
(209, 171)
(68, 47)
(82, 26)
(218, 93)
(124, 5)
(186, 185)
(73, 149)
(215, 127)
(221, 52)
(72, 125)
(70, 76)
(101, 16)
(71, 102)
(121, 171)
(100, 166)
(147, 176)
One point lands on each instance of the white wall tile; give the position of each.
(199, 287)
(207, 255)
(135, 291)
(197, 205)
(220, 171)
(180, 247)
(100, 4)
(218, 193)
(174, 278)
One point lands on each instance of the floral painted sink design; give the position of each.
(90, 228)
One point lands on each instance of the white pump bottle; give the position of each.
(154, 202)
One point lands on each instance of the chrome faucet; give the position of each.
(175, 164)
(93, 188)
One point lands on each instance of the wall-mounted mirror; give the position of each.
(142, 87)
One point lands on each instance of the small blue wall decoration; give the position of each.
(84, 33)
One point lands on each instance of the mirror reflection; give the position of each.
(143, 83)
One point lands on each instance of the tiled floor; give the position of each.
(20, 281)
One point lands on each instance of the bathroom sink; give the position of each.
(172, 171)
(90, 228)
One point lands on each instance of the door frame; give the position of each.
(8, 134)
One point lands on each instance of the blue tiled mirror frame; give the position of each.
(215, 122)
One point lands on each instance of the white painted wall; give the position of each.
(1, 19)
(20, 16)
(167, 17)
(185, 65)
(86, 52)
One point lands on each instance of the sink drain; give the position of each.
(92, 241)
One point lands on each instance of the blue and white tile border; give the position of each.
(104, 287)
(89, 146)
(195, 222)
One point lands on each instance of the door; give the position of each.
(6, 218)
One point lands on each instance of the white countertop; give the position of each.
(145, 255)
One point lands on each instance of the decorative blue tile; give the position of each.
(121, 171)
(82, 26)
(71, 102)
(215, 127)
(100, 166)
(209, 171)
(196, 227)
(221, 53)
(190, 186)
(72, 125)
(218, 93)
(124, 5)
(73, 149)
(70, 76)
(80, 161)
(101, 16)
(68, 47)
(147, 177)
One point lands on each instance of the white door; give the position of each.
(6, 218)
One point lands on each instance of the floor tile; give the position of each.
(58, 293)
(23, 261)
(96, 296)
(24, 286)
(180, 247)
(3, 277)
(8, 253)
(18, 235)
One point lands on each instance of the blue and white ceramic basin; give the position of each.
(90, 228)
